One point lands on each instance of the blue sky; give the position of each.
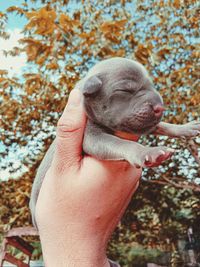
(13, 65)
(14, 27)
(14, 21)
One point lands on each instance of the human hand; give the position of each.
(82, 198)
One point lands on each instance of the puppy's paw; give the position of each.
(190, 129)
(149, 156)
(154, 156)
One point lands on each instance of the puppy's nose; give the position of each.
(158, 110)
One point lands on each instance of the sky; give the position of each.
(15, 21)
(13, 64)
(14, 27)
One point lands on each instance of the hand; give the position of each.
(81, 199)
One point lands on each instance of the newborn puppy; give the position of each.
(121, 105)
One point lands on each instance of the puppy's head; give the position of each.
(119, 95)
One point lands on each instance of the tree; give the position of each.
(63, 40)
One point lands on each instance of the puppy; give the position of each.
(121, 105)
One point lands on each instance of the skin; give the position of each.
(81, 198)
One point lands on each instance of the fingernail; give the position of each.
(137, 166)
(170, 150)
(74, 98)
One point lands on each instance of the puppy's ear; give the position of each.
(92, 86)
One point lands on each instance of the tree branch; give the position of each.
(181, 185)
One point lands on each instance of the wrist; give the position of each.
(72, 259)
(78, 252)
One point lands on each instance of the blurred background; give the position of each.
(46, 46)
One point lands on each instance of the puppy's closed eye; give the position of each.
(126, 91)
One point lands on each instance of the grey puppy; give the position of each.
(121, 105)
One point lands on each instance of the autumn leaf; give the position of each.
(43, 21)
(177, 3)
(52, 66)
(112, 30)
(142, 53)
(163, 52)
(67, 23)
(36, 51)
(16, 9)
(2, 15)
(3, 72)
(113, 26)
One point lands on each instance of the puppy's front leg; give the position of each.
(101, 144)
(189, 130)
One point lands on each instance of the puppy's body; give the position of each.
(120, 101)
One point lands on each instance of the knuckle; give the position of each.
(66, 128)
(67, 123)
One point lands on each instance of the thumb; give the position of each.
(69, 135)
